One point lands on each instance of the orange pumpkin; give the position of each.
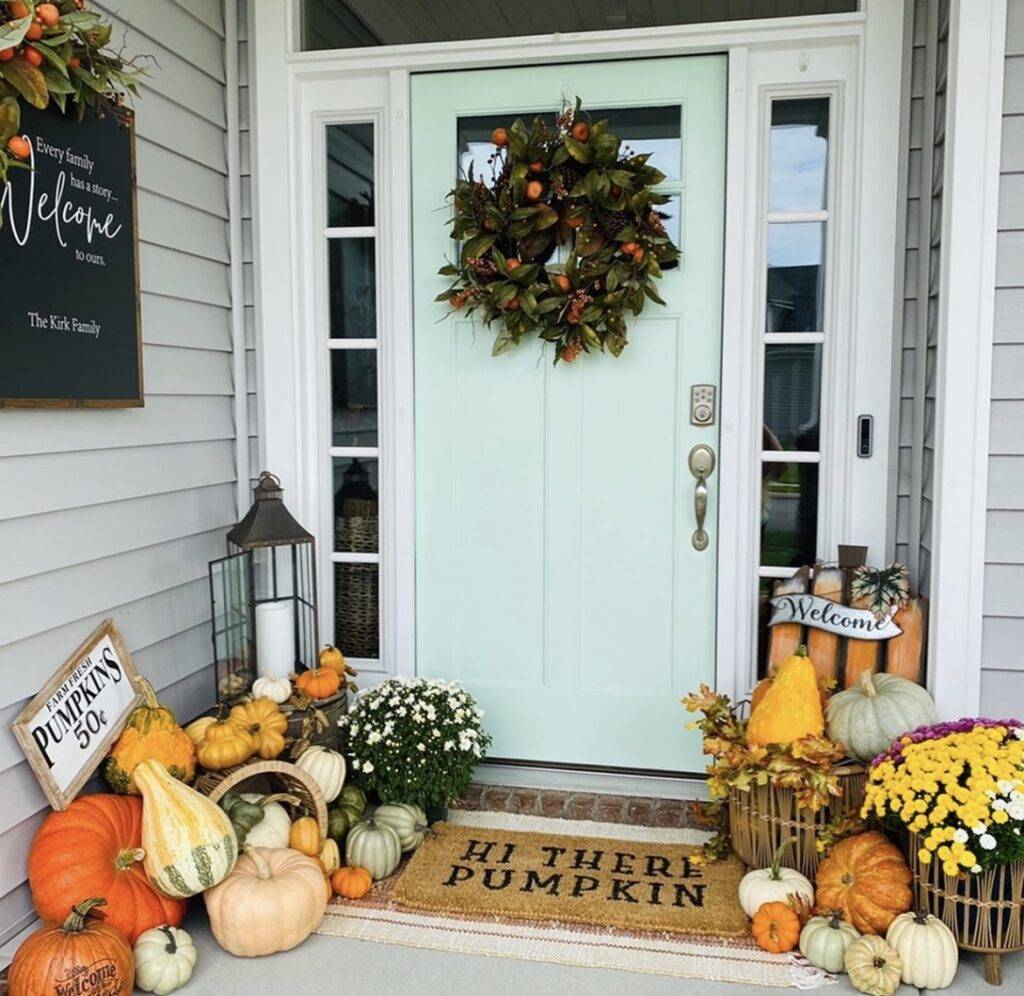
(865, 877)
(776, 927)
(332, 659)
(94, 848)
(351, 882)
(305, 836)
(319, 683)
(77, 955)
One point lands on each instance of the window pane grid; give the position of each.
(351, 233)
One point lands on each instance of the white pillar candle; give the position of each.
(275, 638)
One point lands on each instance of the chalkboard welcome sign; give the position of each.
(70, 326)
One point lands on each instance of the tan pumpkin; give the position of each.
(867, 879)
(330, 856)
(791, 707)
(873, 966)
(151, 732)
(305, 836)
(80, 955)
(224, 745)
(272, 901)
(265, 723)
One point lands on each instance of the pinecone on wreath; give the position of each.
(615, 222)
(485, 269)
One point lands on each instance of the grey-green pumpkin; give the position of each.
(407, 820)
(373, 846)
(824, 940)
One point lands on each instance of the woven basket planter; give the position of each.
(764, 818)
(268, 777)
(333, 709)
(984, 911)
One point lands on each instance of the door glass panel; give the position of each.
(789, 513)
(350, 175)
(796, 277)
(354, 397)
(352, 288)
(357, 610)
(356, 504)
(792, 389)
(654, 130)
(799, 154)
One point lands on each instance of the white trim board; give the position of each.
(855, 56)
(977, 37)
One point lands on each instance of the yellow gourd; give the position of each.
(189, 841)
(791, 707)
(265, 723)
(305, 836)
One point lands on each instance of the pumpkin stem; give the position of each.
(77, 918)
(172, 945)
(879, 962)
(262, 868)
(835, 918)
(867, 686)
(128, 857)
(920, 916)
(284, 797)
(801, 651)
(147, 691)
(777, 859)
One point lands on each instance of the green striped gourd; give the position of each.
(189, 842)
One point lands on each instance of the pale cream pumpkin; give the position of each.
(767, 885)
(927, 950)
(164, 960)
(189, 841)
(272, 901)
(327, 768)
(873, 966)
(330, 856)
(272, 687)
(273, 829)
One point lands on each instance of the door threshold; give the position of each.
(601, 782)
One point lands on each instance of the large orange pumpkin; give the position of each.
(865, 877)
(94, 848)
(78, 955)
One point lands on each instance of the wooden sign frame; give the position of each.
(126, 120)
(61, 798)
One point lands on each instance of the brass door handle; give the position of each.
(702, 465)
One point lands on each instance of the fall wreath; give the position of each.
(54, 53)
(574, 186)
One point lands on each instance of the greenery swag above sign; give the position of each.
(54, 52)
(570, 186)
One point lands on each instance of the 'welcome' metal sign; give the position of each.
(822, 613)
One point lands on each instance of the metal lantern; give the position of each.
(263, 596)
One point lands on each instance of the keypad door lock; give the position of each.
(702, 404)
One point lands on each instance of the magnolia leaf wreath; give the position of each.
(54, 53)
(570, 186)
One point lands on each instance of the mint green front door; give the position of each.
(556, 576)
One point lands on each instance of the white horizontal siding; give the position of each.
(117, 513)
(1002, 678)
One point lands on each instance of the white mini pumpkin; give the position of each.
(373, 846)
(927, 950)
(873, 966)
(407, 820)
(773, 884)
(270, 686)
(273, 830)
(870, 715)
(327, 768)
(824, 940)
(164, 959)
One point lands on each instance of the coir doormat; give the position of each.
(607, 882)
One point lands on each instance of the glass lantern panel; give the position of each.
(231, 617)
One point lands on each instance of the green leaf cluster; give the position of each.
(77, 70)
(572, 188)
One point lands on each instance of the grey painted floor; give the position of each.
(333, 964)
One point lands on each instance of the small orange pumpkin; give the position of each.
(305, 836)
(351, 882)
(866, 877)
(68, 956)
(776, 927)
(319, 683)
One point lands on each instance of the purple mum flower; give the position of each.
(937, 731)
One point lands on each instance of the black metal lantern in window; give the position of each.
(263, 596)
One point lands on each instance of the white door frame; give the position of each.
(854, 56)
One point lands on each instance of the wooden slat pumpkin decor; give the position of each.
(853, 620)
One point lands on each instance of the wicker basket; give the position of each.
(762, 819)
(984, 911)
(328, 733)
(267, 777)
(357, 586)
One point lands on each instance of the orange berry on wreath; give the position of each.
(32, 57)
(35, 31)
(581, 131)
(499, 137)
(19, 146)
(6, 54)
(48, 14)
(17, 9)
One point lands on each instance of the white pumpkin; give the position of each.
(270, 686)
(273, 830)
(824, 940)
(773, 884)
(327, 768)
(164, 959)
(868, 717)
(927, 950)
(407, 820)
(373, 846)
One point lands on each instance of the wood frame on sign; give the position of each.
(61, 798)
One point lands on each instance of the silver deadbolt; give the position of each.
(702, 466)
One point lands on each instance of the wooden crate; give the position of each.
(841, 658)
